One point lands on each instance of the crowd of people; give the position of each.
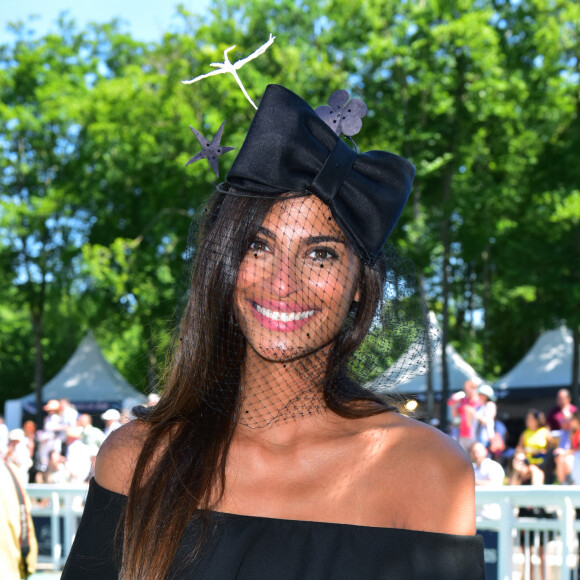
(62, 451)
(64, 448)
(545, 452)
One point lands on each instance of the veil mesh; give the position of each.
(281, 317)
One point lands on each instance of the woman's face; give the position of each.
(531, 422)
(297, 281)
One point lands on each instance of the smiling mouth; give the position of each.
(284, 316)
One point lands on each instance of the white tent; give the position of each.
(412, 380)
(546, 367)
(87, 380)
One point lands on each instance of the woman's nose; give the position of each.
(283, 279)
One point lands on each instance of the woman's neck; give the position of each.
(275, 390)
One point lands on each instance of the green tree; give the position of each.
(41, 227)
(483, 98)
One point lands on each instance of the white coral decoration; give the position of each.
(228, 67)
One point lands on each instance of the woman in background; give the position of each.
(534, 444)
(484, 416)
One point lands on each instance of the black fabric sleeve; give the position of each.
(96, 548)
(257, 548)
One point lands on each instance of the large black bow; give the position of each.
(289, 148)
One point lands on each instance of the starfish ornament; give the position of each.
(228, 67)
(211, 149)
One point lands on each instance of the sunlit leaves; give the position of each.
(96, 199)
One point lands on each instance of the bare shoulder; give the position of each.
(429, 448)
(118, 456)
(434, 478)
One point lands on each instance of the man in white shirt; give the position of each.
(18, 454)
(68, 414)
(489, 473)
(111, 418)
(78, 456)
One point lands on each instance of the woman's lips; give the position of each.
(283, 318)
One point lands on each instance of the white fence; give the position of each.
(526, 548)
(63, 506)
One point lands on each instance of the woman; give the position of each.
(464, 404)
(264, 458)
(534, 443)
(485, 414)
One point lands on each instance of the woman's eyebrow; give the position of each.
(265, 232)
(323, 239)
(310, 240)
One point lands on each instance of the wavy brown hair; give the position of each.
(181, 467)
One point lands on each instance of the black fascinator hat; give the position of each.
(290, 148)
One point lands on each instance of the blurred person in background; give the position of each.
(484, 417)
(68, 413)
(489, 473)
(464, 405)
(56, 469)
(47, 443)
(152, 399)
(535, 443)
(29, 428)
(522, 473)
(53, 420)
(566, 457)
(18, 455)
(78, 458)
(90, 435)
(3, 437)
(126, 416)
(559, 417)
(112, 420)
(18, 546)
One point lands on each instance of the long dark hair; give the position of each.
(181, 467)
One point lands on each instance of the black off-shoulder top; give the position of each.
(258, 548)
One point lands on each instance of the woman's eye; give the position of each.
(258, 246)
(322, 254)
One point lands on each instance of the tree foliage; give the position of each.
(483, 97)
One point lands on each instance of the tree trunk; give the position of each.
(455, 129)
(36, 319)
(445, 289)
(151, 361)
(485, 300)
(429, 398)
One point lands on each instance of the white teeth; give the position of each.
(284, 316)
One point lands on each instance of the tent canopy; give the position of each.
(413, 380)
(87, 380)
(546, 367)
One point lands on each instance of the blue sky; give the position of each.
(146, 19)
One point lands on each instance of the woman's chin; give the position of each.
(285, 352)
(279, 352)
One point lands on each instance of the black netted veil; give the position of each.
(288, 317)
